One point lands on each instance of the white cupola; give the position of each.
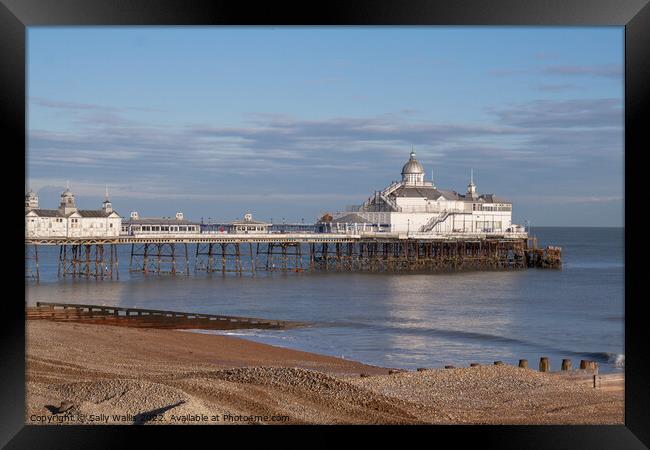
(413, 172)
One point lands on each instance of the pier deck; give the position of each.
(304, 238)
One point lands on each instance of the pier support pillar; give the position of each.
(282, 256)
(158, 258)
(87, 261)
(32, 270)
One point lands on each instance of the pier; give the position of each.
(410, 226)
(293, 252)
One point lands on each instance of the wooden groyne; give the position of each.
(586, 374)
(147, 318)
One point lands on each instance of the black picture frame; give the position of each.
(16, 15)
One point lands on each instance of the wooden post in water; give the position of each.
(116, 262)
(250, 251)
(38, 275)
(544, 364)
(187, 260)
(498, 363)
(566, 364)
(523, 363)
(583, 364)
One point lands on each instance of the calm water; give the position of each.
(405, 320)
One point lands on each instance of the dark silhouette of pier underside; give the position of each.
(90, 258)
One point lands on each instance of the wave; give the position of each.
(617, 359)
(440, 332)
(592, 265)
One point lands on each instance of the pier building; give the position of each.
(159, 226)
(68, 221)
(245, 225)
(415, 205)
(249, 226)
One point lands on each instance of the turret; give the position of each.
(67, 205)
(31, 201)
(107, 207)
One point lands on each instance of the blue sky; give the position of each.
(291, 122)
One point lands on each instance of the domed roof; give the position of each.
(412, 166)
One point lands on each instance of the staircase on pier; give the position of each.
(374, 200)
(435, 220)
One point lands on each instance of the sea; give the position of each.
(401, 320)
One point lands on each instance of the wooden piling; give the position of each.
(566, 364)
(586, 364)
(544, 364)
(474, 365)
(498, 363)
(523, 363)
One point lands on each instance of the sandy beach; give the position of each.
(113, 374)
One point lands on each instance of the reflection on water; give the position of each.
(405, 320)
(91, 292)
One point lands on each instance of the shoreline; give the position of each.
(139, 375)
(263, 336)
